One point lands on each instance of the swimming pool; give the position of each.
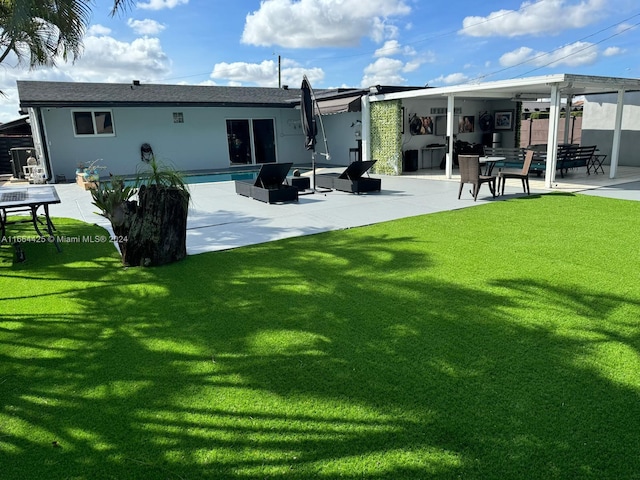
(191, 179)
(220, 177)
(194, 178)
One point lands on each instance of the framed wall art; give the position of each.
(503, 120)
(466, 124)
(420, 125)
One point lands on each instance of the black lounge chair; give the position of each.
(351, 180)
(269, 185)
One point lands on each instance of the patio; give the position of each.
(219, 219)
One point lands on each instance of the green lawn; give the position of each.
(495, 342)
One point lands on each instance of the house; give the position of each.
(191, 127)
(215, 128)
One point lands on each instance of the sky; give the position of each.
(344, 43)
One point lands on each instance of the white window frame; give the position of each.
(93, 112)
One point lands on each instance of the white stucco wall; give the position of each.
(340, 138)
(598, 122)
(198, 143)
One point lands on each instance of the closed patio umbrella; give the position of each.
(308, 117)
(308, 105)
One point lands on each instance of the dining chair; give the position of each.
(523, 174)
(469, 166)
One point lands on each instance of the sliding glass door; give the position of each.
(251, 141)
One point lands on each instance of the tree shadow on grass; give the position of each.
(359, 360)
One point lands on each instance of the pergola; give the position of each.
(552, 87)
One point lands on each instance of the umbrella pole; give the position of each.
(313, 164)
(313, 169)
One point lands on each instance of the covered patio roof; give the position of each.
(553, 87)
(339, 105)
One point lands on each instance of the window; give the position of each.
(93, 123)
(178, 117)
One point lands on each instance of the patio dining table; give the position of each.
(490, 162)
(20, 200)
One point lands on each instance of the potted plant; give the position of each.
(152, 230)
(91, 172)
(158, 232)
(113, 198)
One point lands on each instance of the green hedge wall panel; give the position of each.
(386, 136)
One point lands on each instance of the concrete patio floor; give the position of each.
(219, 219)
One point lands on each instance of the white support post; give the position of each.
(450, 130)
(365, 116)
(552, 138)
(617, 133)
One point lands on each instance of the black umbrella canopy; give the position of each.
(308, 117)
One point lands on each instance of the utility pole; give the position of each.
(279, 74)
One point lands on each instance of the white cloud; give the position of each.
(161, 4)
(411, 66)
(623, 27)
(380, 30)
(393, 47)
(146, 26)
(390, 47)
(517, 56)
(265, 74)
(384, 71)
(322, 23)
(98, 30)
(451, 79)
(612, 51)
(573, 55)
(106, 59)
(535, 18)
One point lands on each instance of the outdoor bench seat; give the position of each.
(568, 156)
(574, 157)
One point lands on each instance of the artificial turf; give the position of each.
(497, 342)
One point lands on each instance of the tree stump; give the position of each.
(158, 228)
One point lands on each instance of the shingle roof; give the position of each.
(64, 94)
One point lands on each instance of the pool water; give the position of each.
(211, 177)
(220, 177)
(217, 177)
